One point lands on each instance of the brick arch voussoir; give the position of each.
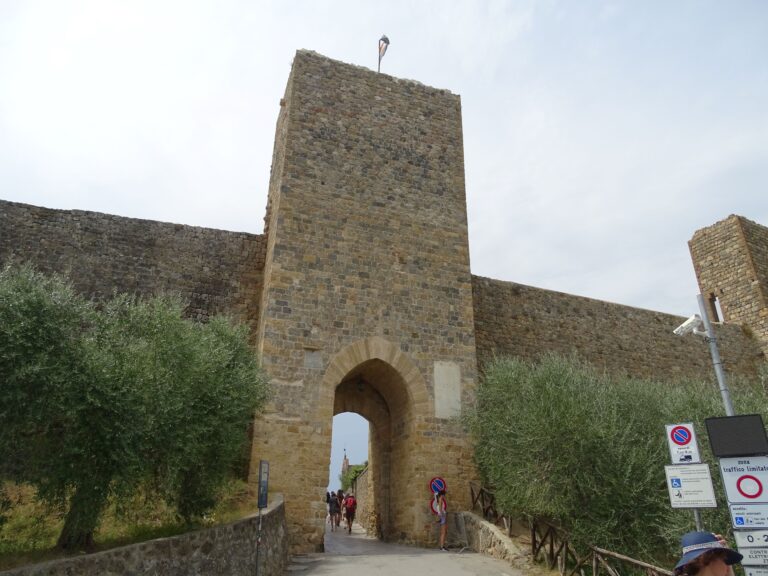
(376, 348)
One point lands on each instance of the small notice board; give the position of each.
(749, 515)
(690, 486)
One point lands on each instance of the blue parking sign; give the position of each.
(676, 483)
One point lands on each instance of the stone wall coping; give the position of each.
(364, 69)
(92, 213)
(627, 307)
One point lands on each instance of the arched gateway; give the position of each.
(367, 297)
(381, 384)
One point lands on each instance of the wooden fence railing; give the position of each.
(551, 545)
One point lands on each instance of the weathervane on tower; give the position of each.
(383, 45)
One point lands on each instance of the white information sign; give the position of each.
(755, 570)
(754, 556)
(745, 479)
(751, 538)
(749, 515)
(690, 486)
(683, 448)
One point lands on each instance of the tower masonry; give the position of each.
(367, 302)
(731, 263)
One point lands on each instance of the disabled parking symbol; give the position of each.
(739, 520)
(676, 483)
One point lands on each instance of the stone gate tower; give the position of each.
(367, 301)
(731, 263)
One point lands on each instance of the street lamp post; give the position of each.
(692, 325)
(718, 364)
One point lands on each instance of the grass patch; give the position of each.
(30, 530)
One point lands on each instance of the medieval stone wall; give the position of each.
(517, 320)
(731, 263)
(360, 297)
(213, 270)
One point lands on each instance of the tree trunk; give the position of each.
(82, 518)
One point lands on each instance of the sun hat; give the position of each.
(697, 543)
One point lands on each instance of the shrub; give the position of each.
(97, 401)
(559, 441)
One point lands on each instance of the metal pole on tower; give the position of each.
(383, 45)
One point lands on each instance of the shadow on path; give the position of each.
(357, 554)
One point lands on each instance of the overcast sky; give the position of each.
(598, 135)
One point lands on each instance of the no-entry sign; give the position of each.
(745, 479)
(683, 448)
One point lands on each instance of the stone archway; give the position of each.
(375, 379)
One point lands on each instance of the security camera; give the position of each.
(691, 325)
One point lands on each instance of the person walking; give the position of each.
(340, 498)
(350, 507)
(334, 511)
(706, 554)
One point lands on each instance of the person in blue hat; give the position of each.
(706, 554)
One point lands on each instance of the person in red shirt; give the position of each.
(350, 507)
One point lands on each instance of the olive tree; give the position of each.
(98, 400)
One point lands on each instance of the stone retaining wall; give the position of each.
(485, 538)
(229, 549)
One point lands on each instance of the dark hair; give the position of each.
(694, 566)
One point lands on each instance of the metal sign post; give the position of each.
(686, 486)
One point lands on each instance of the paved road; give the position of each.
(358, 555)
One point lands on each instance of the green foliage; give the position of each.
(98, 401)
(559, 441)
(32, 528)
(348, 478)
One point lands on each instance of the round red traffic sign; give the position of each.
(749, 486)
(433, 504)
(680, 435)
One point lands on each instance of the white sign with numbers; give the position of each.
(751, 538)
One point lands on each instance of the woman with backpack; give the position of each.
(350, 507)
(334, 510)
